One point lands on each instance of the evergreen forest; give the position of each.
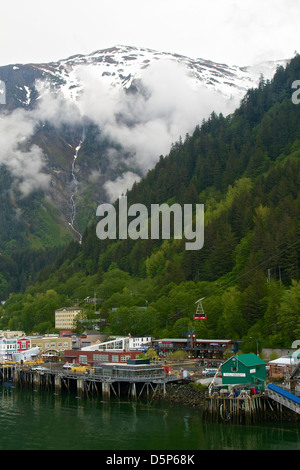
(245, 169)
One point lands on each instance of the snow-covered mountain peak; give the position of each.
(118, 66)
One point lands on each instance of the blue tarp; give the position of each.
(284, 393)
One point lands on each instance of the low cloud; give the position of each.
(27, 163)
(119, 187)
(146, 123)
(142, 122)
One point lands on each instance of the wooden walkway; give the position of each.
(284, 397)
(91, 384)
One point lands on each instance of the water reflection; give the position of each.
(42, 420)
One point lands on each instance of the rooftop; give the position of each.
(181, 340)
(250, 359)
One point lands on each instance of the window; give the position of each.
(101, 357)
(83, 359)
(115, 358)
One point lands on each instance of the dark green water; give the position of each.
(44, 421)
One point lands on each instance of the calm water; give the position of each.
(44, 421)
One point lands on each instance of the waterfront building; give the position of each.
(208, 350)
(31, 354)
(245, 369)
(51, 345)
(142, 342)
(92, 358)
(8, 347)
(23, 344)
(115, 351)
(133, 369)
(284, 365)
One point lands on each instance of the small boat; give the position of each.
(8, 383)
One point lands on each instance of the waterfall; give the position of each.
(74, 188)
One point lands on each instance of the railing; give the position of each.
(97, 377)
(284, 397)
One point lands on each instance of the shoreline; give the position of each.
(184, 394)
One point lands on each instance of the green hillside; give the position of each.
(245, 169)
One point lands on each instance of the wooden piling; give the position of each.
(238, 410)
(15, 377)
(80, 387)
(105, 391)
(36, 381)
(133, 391)
(57, 384)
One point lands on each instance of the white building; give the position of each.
(8, 347)
(29, 355)
(121, 343)
(139, 343)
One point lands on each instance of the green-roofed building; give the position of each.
(247, 369)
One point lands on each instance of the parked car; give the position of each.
(67, 366)
(209, 372)
(38, 368)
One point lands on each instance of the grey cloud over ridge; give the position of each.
(144, 123)
(147, 123)
(27, 164)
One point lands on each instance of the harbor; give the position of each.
(133, 380)
(142, 381)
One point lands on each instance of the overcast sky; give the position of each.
(238, 32)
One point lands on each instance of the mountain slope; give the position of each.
(245, 169)
(77, 131)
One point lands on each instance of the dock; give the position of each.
(132, 382)
(244, 409)
(273, 404)
(117, 380)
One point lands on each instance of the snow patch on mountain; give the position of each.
(118, 66)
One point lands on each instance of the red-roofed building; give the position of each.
(23, 344)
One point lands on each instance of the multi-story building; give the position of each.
(52, 345)
(23, 344)
(8, 347)
(140, 342)
(207, 350)
(65, 316)
(118, 350)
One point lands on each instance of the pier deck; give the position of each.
(118, 383)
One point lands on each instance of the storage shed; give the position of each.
(248, 369)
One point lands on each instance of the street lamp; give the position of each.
(252, 337)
